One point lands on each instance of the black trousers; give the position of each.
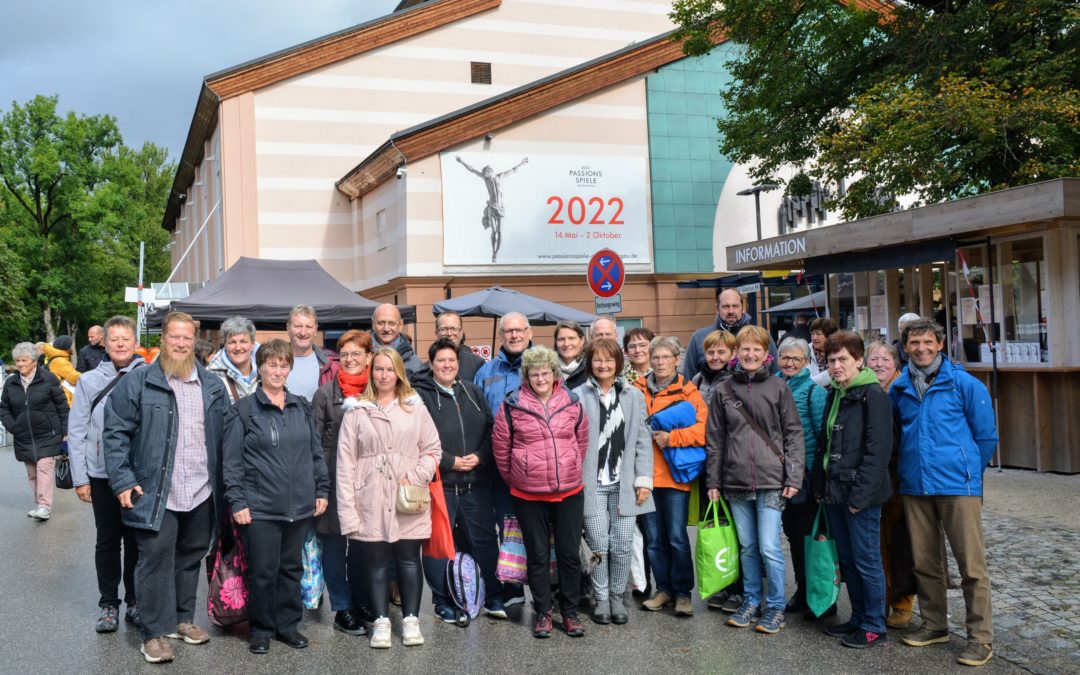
(115, 551)
(275, 557)
(797, 520)
(567, 519)
(168, 570)
(379, 557)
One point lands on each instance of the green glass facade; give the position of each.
(686, 167)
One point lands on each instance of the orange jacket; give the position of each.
(680, 389)
(60, 366)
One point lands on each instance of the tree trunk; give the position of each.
(47, 319)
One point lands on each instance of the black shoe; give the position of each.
(841, 629)
(294, 639)
(131, 614)
(348, 623)
(864, 639)
(364, 614)
(601, 618)
(796, 604)
(259, 644)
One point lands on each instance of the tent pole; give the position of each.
(494, 327)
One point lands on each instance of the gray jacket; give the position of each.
(637, 462)
(85, 426)
(139, 442)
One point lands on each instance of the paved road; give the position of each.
(49, 607)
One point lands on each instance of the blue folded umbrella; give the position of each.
(685, 463)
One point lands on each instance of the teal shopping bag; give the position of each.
(822, 566)
(717, 556)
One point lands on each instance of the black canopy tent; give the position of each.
(265, 291)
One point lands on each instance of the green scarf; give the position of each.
(865, 376)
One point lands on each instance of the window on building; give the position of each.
(480, 72)
(381, 234)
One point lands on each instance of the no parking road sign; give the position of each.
(606, 273)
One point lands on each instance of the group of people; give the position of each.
(554, 445)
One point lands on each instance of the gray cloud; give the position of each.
(143, 61)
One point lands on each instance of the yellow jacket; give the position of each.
(60, 366)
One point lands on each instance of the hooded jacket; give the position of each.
(861, 444)
(540, 449)
(376, 449)
(36, 417)
(232, 378)
(60, 365)
(694, 360)
(738, 459)
(948, 438)
(273, 461)
(139, 441)
(810, 402)
(707, 379)
(85, 426)
(464, 423)
(637, 461)
(680, 389)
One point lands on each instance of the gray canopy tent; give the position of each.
(265, 291)
(497, 301)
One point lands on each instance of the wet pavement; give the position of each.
(49, 606)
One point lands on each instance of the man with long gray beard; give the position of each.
(162, 446)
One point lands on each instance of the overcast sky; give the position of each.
(143, 61)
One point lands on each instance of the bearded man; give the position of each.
(162, 446)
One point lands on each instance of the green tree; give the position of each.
(937, 99)
(75, 204)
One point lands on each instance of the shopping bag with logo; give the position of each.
(312, 584)
(822, 566)
(512, 562)
(717, 556)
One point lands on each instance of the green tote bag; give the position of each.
(822, 566)
(717, 556)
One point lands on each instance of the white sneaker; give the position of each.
(42, 513)
(380, 634)
(32, 513)
(410, 632)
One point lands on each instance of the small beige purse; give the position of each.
(413, 498)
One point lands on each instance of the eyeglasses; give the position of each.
(637, 346)
(386, 324)
(541, 374)
(791, 359)
(450, 330)
(662, 357)
(514, 331)
(345, 356)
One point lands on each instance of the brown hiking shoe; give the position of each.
(156, 650)
(658, 602)
(683, 607)
(900, 618)
(190, 633)
(923, 636)
(975, 654)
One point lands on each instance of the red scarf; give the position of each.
(352, 385)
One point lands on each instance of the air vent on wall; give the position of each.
(481, 72)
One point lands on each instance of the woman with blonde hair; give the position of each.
(387, 441)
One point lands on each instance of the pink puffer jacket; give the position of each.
(544, 451)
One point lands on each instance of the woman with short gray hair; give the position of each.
(34, 410)
(235, 363)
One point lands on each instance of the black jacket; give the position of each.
(468, 362)
(90, 357)
(328, 409)
(578, 377)
(863, 438)
(273, 462)
(464, 422)
(36, 418)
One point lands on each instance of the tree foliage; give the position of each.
(74, 204)
(937, 99)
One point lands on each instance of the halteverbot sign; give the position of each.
(542, 209)
(770, 251)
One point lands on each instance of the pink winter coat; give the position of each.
(376, 449)
(547, 449)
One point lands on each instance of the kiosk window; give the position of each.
(1024, 295)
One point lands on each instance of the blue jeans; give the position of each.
(669, 544)
(858, 542)
(472, 517)
(758, 527)
(343, 568)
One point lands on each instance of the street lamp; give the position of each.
(756, 191)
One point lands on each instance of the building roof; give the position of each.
(408, 19)
(500, 111)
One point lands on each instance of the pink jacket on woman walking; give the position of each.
(545, 450)
(376, 449)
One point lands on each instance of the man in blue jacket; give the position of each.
(497, 378)
(162, 445)
(948, 436)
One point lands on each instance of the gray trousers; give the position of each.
(612, 536)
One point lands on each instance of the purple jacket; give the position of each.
(541, 450)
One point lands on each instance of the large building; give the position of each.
(391, 151)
